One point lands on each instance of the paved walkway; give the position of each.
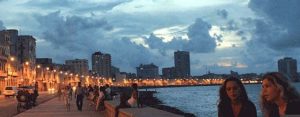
(56, 108)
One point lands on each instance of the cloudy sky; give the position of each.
(221, 35)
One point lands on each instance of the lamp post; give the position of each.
(38, 74)
(9, 71)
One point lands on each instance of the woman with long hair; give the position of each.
(278, 97)
(133, 100)
(233, 100)
(100, 99)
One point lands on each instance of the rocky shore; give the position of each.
(148, 99)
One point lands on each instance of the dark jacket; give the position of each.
(248, 110)
(292, 108)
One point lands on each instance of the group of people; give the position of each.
(96, 95)
(278, 98)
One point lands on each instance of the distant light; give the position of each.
(12, 59)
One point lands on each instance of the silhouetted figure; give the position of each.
(278, 97)
(100, 99)
(108, 95)
(123, 103)
(133, 100)
(233, 100)
(79, 94)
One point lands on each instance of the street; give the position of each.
(8, 106)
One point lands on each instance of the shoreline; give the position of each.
(154, 102)
(171, 86)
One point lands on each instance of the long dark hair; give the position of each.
(287, 92)
(223, 97)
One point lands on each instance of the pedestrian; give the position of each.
(59, 92)
(100, 99)
(278, 97)
(70, 91)
(233, 100)
(35, 95)
(108, 92)
(79, 94)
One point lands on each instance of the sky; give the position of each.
(246, 36)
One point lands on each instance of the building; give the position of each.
(182, 63)
(101, 64)
(44, 61)
(168, 72)
(4, 57)
(147, 71)
(13, 33)
(78, 66)
(288, 66)
(27, 58)
(79, 69)
(13, 48)
(114, 72)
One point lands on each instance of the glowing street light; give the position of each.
(26, 63)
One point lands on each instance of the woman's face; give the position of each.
(269, 91)
(232, 90)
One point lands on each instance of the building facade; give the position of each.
(78, 66)
(182, 63)
(4, 55)
(168, 72)
(27, 59)
(101, 64)
(288, 66)
(114, 72)
(147, 71)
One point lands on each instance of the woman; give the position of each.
(101, 98)
(278, 97)
(234, 101)
(123, 103)
(132, 102)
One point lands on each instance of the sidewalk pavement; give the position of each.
(40, 92)
(57, 108)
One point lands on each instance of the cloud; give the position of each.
(223, 13)
(199, 40)
(2, 27)
(72, 32)
(77, 6)
(78, 37)
(271, 35)
(280, 27)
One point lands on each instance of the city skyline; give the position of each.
(240, 35)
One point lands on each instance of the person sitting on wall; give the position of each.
(133, 100)
(123, 103)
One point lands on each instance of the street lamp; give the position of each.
(9, 71)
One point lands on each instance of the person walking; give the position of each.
(70, 91)
(108, 92)
(79, 94)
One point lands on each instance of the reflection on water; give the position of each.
(202, 100)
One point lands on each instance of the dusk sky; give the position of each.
(221, 35)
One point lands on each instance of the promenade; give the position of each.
(8, 106)
(56, 108)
